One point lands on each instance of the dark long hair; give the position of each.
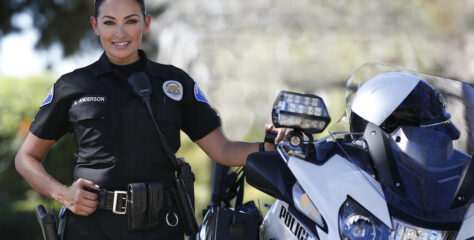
(97, 4)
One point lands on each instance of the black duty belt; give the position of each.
(115, 201)
(143, 203)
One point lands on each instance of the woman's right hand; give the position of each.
(28, 162)
(80, 201)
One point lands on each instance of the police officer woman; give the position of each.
(115, 136)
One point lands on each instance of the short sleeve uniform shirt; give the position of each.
(116, 139)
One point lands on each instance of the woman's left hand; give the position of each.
(282, 134)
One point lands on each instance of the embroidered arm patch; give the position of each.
(48, 98)
(199, 95)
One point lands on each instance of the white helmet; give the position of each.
(393, 99)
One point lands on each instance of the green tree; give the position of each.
(19, 101)
(59, 21)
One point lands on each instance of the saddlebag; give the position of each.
(232, 224)
(221, 221)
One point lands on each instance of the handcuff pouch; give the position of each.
(155, 203)
(145, 202)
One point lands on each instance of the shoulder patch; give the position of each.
(48, 98)
(173, 89)
(199, 95)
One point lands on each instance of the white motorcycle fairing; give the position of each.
(467, 227)
(342, 179)
(328, 196)
(280, 223)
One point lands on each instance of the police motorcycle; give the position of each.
(397, 164)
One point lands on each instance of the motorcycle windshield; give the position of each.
(457, 96)
(430, 156)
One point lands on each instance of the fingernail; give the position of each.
(97, 186)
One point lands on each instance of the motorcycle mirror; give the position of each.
(306, 112)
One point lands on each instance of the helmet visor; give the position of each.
(446, 127)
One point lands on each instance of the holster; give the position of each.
(183, 193)
(62, 222)
(47, 221)
(144, 206)
(186, 174)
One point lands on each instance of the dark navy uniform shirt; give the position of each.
(115, 136)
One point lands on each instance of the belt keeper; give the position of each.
(102, 196)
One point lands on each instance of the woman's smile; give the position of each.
(121, 45)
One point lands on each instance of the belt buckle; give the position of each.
(124, 208)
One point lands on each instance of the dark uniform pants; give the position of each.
(104, 225)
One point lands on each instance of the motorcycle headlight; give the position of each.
(356, 223)
(306, 206)
(405, 231)
(302, 111)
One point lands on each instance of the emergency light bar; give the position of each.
(305, 112)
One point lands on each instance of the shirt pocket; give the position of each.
(87, 112)
(168, 116)
(89, 121)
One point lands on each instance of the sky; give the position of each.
(18, 57)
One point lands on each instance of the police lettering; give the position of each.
(297, 229)
(89, 99)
